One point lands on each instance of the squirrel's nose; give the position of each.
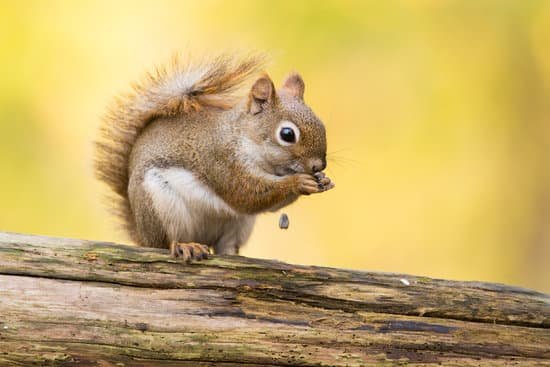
(317, 165)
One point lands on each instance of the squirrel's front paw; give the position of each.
(189, 251)
(306, 184)
(323, 181)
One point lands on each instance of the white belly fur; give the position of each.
(192, 212)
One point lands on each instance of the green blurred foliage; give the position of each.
(437, 115)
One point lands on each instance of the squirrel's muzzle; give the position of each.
(317, 164)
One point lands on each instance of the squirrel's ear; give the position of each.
(261, 95)
(294, 85)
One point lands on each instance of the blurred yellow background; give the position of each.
(437, 115)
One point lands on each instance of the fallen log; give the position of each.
(67, 302)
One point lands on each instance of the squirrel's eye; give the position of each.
(287, 134)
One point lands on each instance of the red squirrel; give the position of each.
(190, 163)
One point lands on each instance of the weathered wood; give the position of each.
(69, 302)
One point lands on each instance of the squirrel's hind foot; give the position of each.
(189, 251)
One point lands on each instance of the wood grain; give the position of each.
(70, 302)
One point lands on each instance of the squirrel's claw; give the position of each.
(189, 251)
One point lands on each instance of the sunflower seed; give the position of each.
(283, 221)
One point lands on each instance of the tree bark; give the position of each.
(67, 302)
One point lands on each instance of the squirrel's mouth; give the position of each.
(292, 169)
(284, 171)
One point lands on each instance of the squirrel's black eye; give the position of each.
(288, 135)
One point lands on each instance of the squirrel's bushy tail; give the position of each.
(174, 90)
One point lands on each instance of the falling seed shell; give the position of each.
(283, 221)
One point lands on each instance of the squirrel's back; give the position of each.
(179, 89)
